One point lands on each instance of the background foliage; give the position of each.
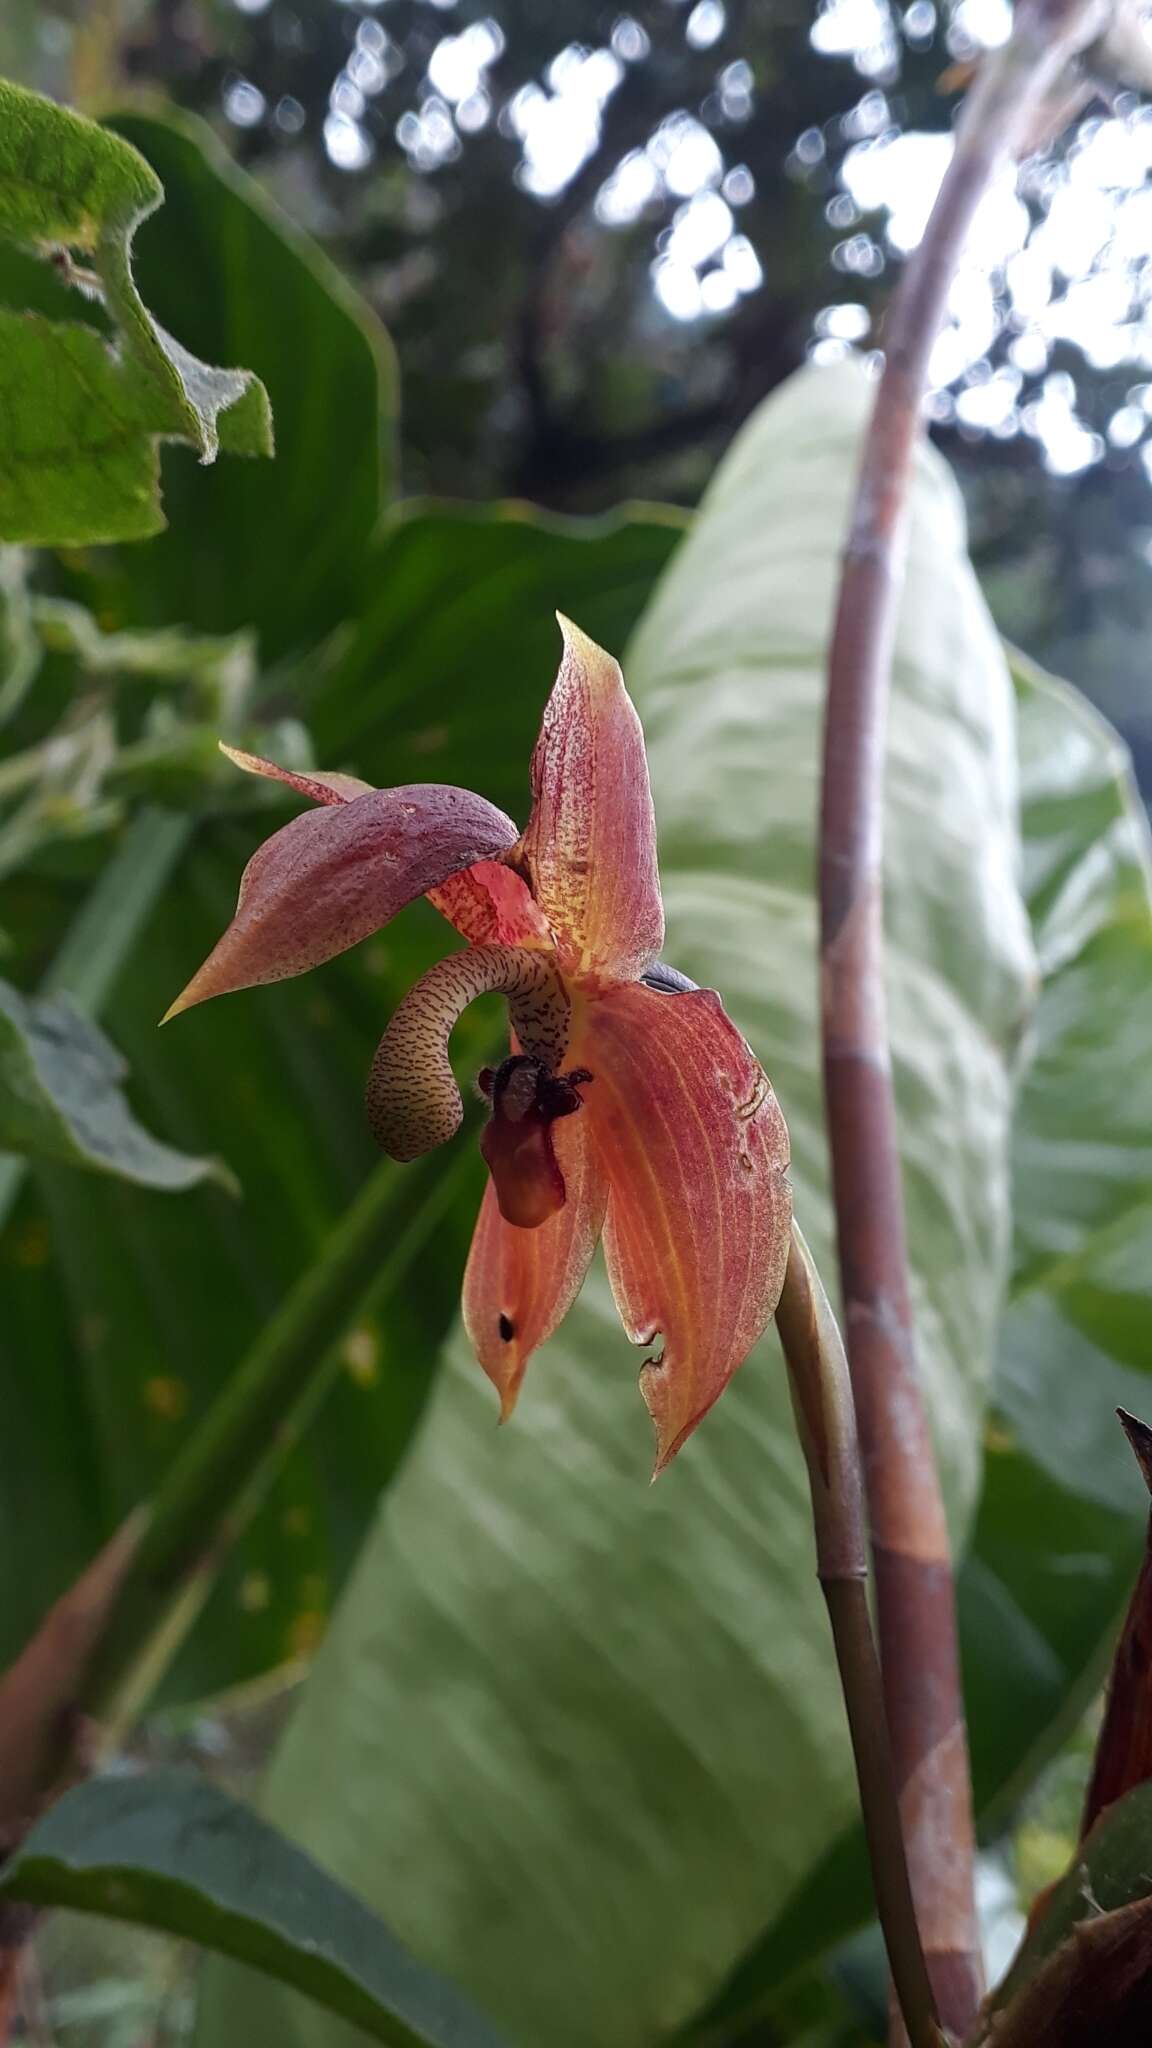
(511, 260)
(540, 1642)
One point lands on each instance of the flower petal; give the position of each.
(696, 1152)
(520, 1284)
(328, 879)
(323, 788)
(590, 848)
(488, 902)
(492, 906)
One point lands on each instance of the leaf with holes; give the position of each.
(239, 283)
(81, 412)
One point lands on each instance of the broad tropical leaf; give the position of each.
(1057, 1539)
(171, 1851)
(452, 643)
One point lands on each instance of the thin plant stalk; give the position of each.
(826, 1422)
(911, 1558)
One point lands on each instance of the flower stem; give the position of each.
(825, 1418)
(914, 1591)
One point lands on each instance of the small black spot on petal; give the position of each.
(507, 1329)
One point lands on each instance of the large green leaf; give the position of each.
(601, 1721)
(82, 418)
(121, 1323)
(277, 547)
(1060, 1527)
(1057, 1539)
(446, 657)
(171, 1851)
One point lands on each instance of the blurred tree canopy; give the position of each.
(599, 237)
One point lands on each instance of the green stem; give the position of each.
(826, 1421)
(226, 1467)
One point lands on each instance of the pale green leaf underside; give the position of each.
(1060, 1527)
(81, 416)
(61, 1098)
(169, 1850)
(598, 1724)
(1061, 1524)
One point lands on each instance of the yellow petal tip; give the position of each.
(664, 1457)
(581, 644)
(239, 759)
(188, 997)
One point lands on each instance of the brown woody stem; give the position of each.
(914, 1592)
(826, 1422)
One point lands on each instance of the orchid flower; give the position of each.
(629, 1108)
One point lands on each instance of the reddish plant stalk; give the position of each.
(912, 1567)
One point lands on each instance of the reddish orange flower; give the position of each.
(630, 1108)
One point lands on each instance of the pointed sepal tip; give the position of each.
(1139, 1436)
